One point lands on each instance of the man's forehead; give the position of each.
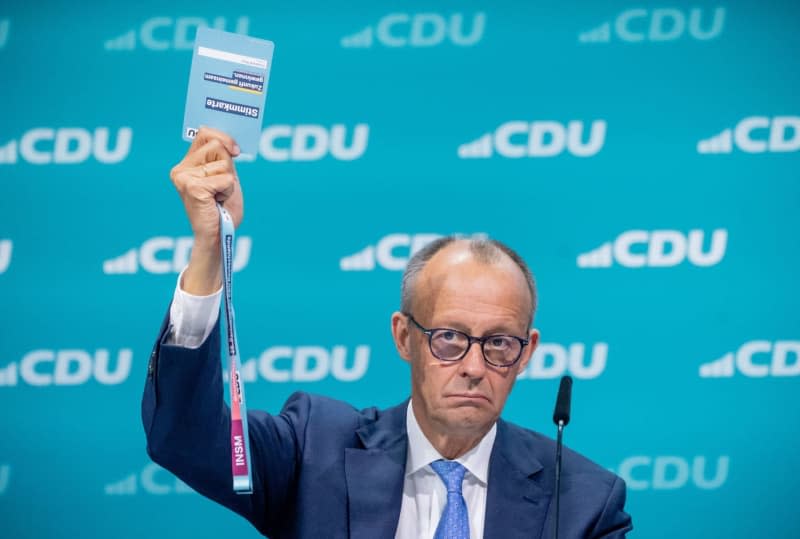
(458, 257)
(455, 272)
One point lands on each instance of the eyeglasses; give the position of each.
(452, 345)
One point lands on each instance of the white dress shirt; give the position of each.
(192, 317)
(424, 494)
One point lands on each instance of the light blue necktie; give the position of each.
(454, 523)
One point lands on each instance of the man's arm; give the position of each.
(187, 424)
(185, 417)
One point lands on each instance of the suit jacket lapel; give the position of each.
(375, 475)
(516, 504)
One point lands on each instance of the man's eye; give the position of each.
(499, 342)
(449, 335)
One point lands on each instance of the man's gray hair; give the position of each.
(484, 250)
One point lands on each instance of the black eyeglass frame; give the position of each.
(470, 341)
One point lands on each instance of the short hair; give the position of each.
(485, 250)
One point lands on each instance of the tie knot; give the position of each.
(451, 473)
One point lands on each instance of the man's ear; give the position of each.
(400, 333)
(533, 342)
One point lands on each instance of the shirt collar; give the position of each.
(421, 452)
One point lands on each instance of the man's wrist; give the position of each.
(205, 244)
(203, 275)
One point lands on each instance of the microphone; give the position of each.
(561, 419)
(561, 412)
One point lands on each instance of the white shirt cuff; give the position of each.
(192, 317)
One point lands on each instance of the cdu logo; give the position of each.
(519, 139)
(778, 359)
(552, 360)
(657, 249)
(5, 255)
(68, 146)
(663, 24)
(312, 142)
(68, 368)
(164, 254)
(775, 135)
(165, 33)
(391, 252)
(307, 364)
(642, 472)
(153, 479)
(419, 30)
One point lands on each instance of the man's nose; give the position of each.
(473, 364)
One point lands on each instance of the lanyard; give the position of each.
(240, 442)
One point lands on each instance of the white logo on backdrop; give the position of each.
(312, 142)
(68, 368)
(6, 247)
(657, 249)
(68, 145)
(642, 472)
(307, 364)
(517, 139)
(777, 135)
(420, 30)
(658, 25)
(5, 31)
(391, 252)
(153, 479)
(778, 359)
(167, 33)
(552, 360)
(165, 254)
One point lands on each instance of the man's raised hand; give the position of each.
(207, 175)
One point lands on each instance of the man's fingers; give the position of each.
(203, 176)
(205, 134)
(219, 187)
(213, 150)
(213, 168)
(224, 185)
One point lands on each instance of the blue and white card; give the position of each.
(228, 86)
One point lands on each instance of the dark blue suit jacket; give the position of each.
(322, 469)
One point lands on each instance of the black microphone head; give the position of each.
(561, 412)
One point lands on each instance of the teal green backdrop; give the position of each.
(643, 157)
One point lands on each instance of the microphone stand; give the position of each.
(561, 418)
(558, 471)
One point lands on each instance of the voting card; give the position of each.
(228, 86)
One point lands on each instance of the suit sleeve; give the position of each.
(614, 522)
(187, 425)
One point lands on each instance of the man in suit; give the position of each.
(442, 464)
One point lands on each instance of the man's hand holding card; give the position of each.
(223, 118)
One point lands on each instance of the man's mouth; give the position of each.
(469, 396)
